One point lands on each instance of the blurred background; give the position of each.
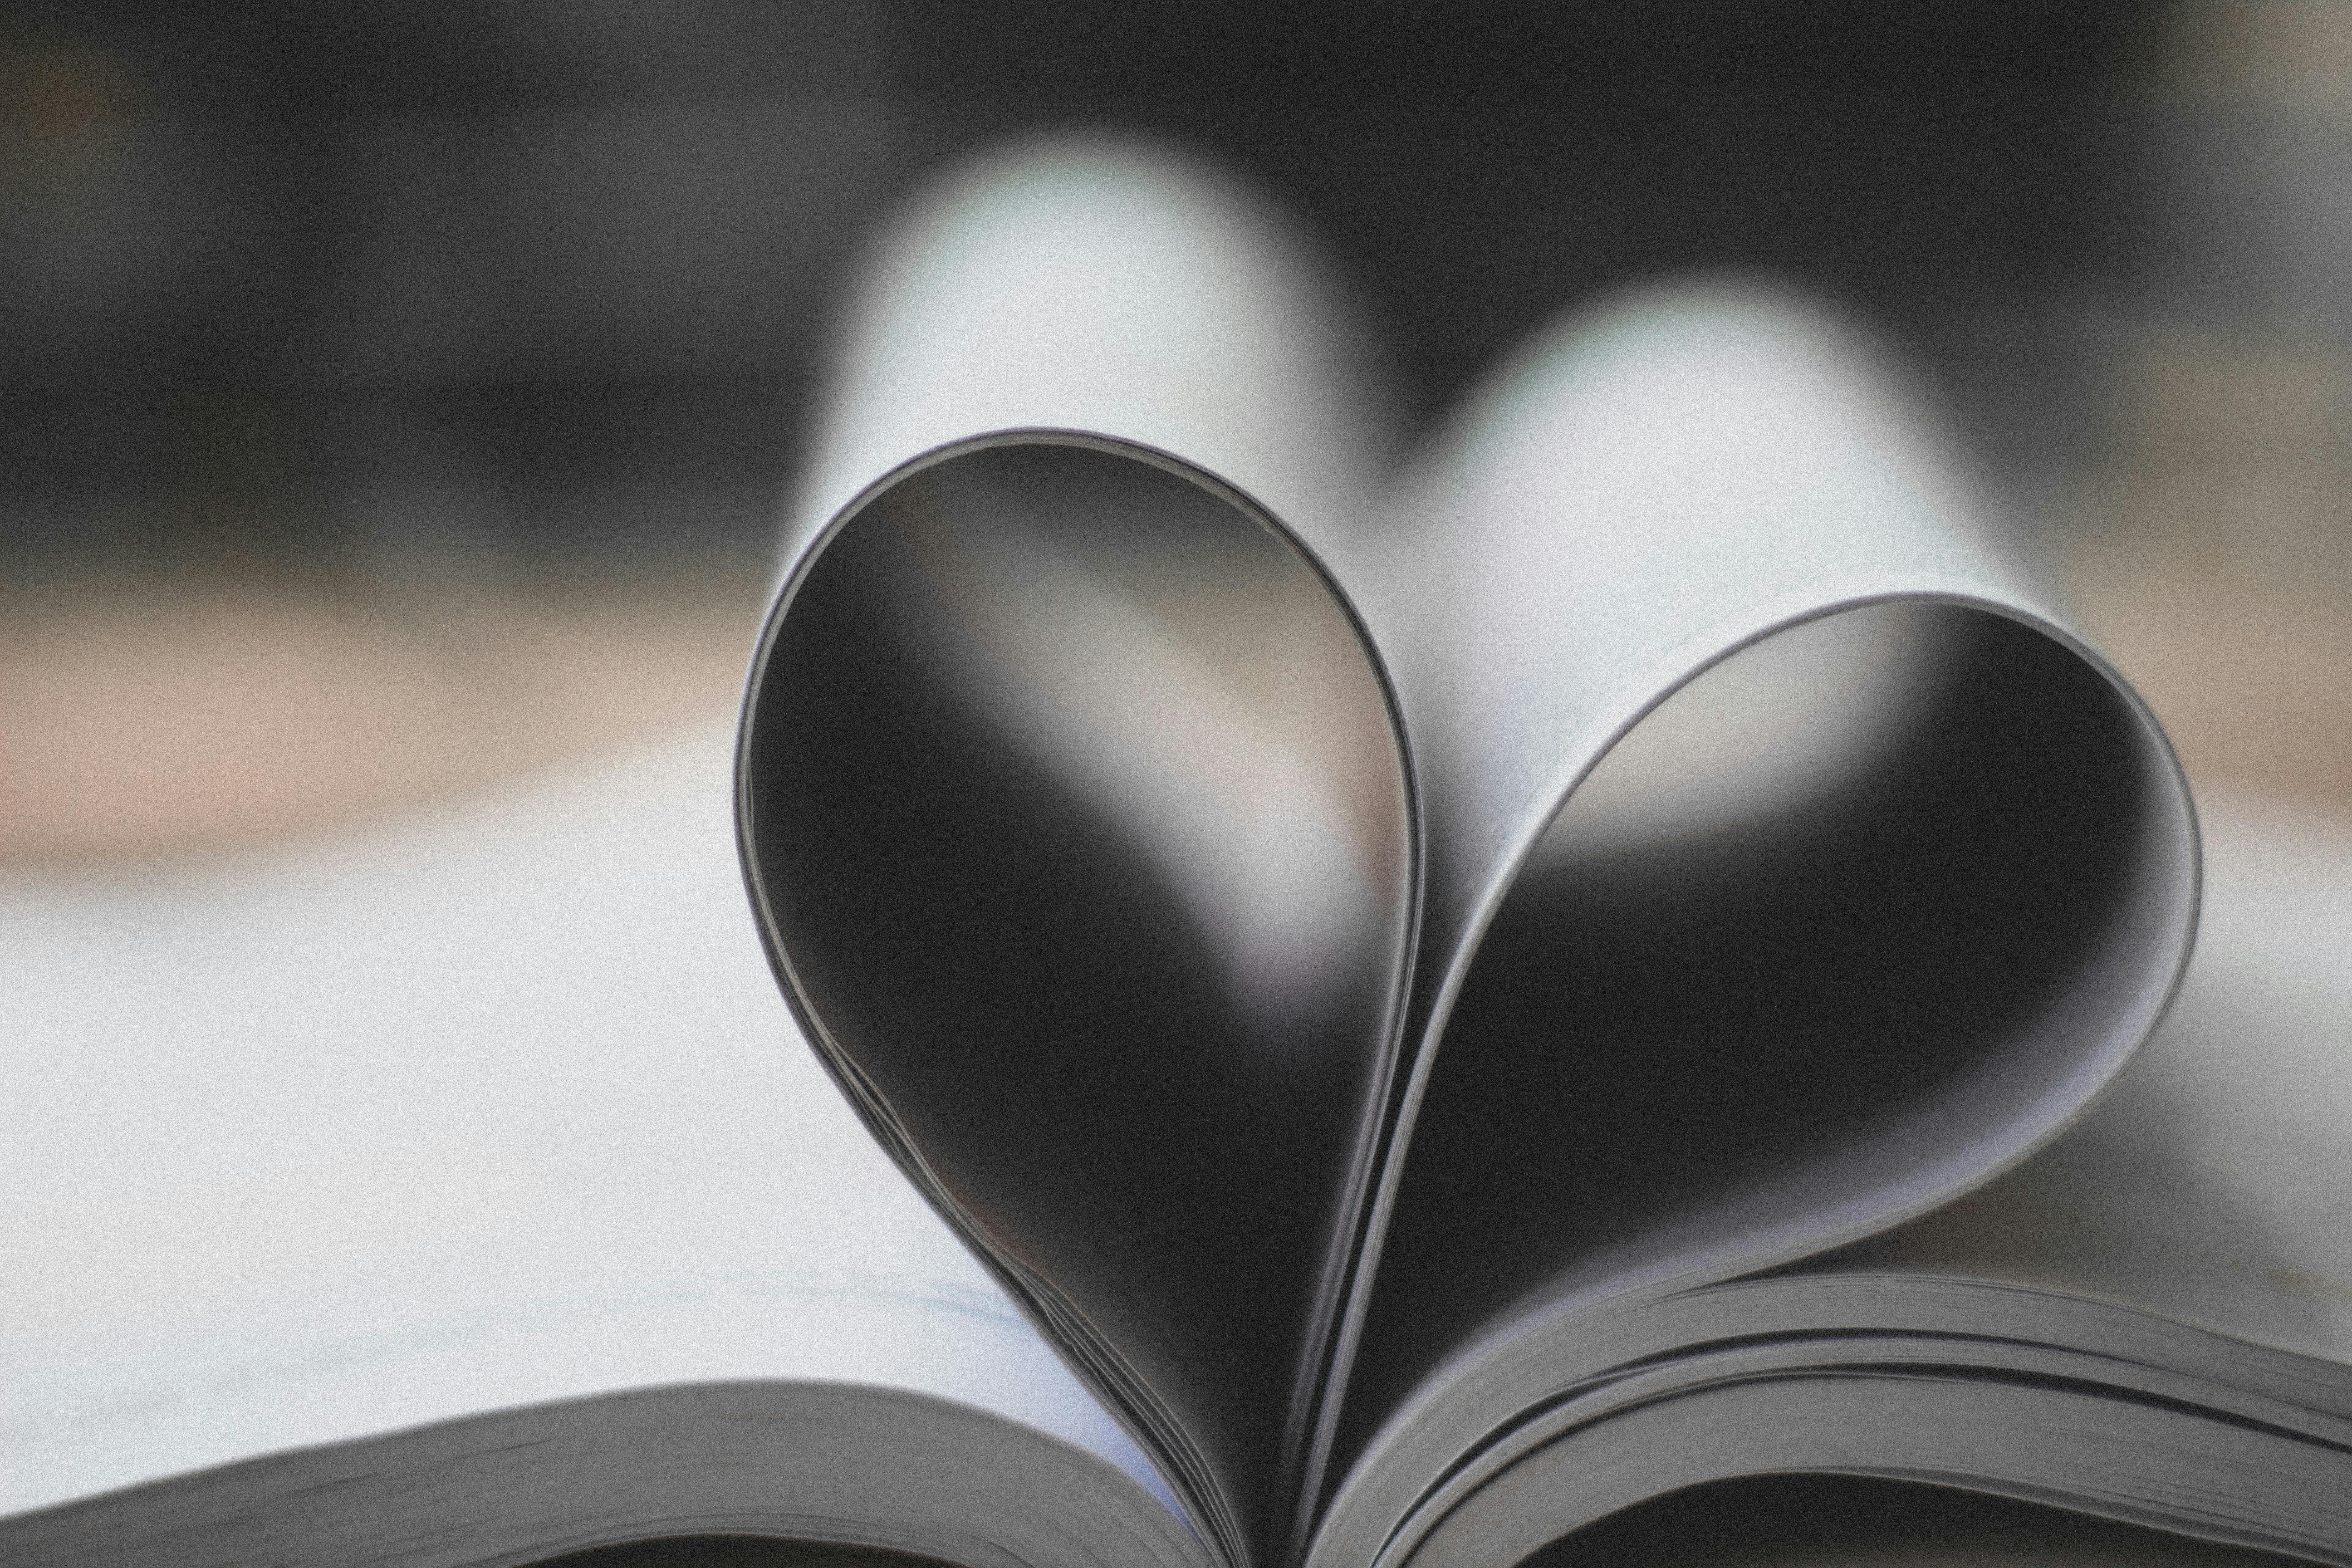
(395, 398)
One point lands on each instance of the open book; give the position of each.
(1442, 1001)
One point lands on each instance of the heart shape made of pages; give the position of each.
(1077, 812)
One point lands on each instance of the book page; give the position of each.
(1793, 867)
(1074, 802)
(2208, 1185)
(1854, 1521)
(1865, 936)
(488, 1108)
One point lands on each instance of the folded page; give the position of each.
(1072, 796)
(1794, 866)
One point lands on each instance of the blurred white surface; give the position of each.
(496, 1106)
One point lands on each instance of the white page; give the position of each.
(494, 1107)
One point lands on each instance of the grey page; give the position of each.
(2144, 1463)
(1851, 1522)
